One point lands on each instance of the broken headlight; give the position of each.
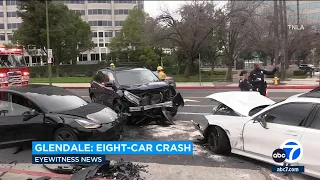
(132, 98)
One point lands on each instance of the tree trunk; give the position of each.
(187, 70)
(212, 59)
(229, 72)
(276, 33)
(282, 37)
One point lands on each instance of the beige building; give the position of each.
(104, 16)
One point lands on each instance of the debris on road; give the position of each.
(110, 169)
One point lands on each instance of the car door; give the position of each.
(283, 122)
(109, 91)
(14, 129)
(97, 86)
(310, 143)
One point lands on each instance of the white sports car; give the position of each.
(252, 125)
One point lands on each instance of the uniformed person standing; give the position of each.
(256, 78)
(161, 74)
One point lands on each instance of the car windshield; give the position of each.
(12, 61)
(57, 103)
(136, 77)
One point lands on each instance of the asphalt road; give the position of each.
(202, 165)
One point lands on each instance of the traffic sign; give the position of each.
(49, 52)
(49, 60)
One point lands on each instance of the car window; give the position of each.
(292, 114)
(316, 122)
(109, 76)
(14, 105)
(99, 77)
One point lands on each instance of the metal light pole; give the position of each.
(48, 45)
(200, 70)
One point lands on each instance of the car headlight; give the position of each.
(87, 124)
(132, 98)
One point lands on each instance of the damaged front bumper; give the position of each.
(177, 101)
(198, 127)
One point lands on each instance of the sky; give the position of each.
(153, 8)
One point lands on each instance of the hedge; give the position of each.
(87, 70)
(299, 73)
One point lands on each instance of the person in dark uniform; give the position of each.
(256, 78)
(244, 84)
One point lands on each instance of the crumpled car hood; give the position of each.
(241, 102)
(149, 86)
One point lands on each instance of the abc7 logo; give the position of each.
(279, 155)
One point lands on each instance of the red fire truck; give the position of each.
(13, 67)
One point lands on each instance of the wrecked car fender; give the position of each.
(232, 125)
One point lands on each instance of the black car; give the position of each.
(136, 92)
(41, 112)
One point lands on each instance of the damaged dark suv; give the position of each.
(135, 92)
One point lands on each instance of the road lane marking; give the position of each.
(190, 100)
(186, 113)
(193, 105)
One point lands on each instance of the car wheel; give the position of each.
(65, 134)
(218, 140)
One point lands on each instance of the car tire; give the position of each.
(65, 134)
(117, 106)
(218, 140)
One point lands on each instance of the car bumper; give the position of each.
(177, 100)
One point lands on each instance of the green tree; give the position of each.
(69, 34)
(134, 43)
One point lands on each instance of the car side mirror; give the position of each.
(262, 121)
(30, 114)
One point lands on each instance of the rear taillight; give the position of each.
(25, 74)
(3, 75)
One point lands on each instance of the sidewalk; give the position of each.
(292, 84)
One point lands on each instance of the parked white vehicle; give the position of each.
(252, 125)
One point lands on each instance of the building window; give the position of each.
(314, 15)
(74, 2)
(94, 34)
(100, 34)
(294, 7)
(11, 2)
(99, 11)
(108, 34)
(106, 44)
(118, 23)
(99, 1)
(82, 12)
(1, 14)
(83, 57)
(121, 11)
(1, 3)
(101, 45)
(13, 25)
(2, 37)
(100, 23)
(94, 57)
(12, 14)
(117, 33)
(314, 5)
(125, 2)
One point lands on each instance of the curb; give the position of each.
(224, 87)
